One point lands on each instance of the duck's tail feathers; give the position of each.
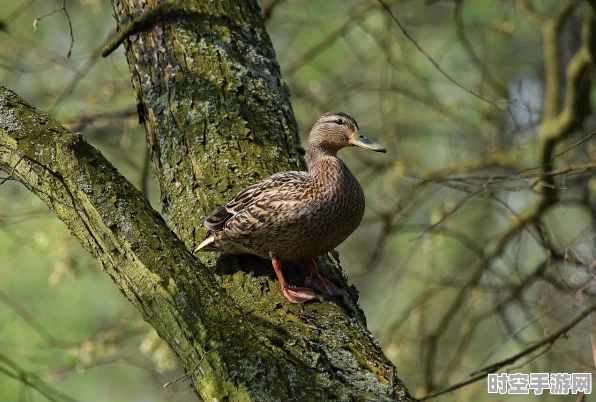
(208, 240)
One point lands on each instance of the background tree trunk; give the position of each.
(218, 117)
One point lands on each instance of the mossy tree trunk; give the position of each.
(218, 117)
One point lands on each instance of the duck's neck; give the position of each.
(324, 166)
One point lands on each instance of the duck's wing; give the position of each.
(257, 203)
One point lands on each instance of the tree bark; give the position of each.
(218, 117)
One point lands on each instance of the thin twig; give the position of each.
(31, 380)
(205, 353)
(31, 321)
(475, 59)
(81, 73)
(356, 14)
(577, 143)
(80, 122)
(548, 342)
(63, 9)
(268, 9)
(9, 177)
(18, 11)
(535, 319)
(448, 214)
(160, 12)
(433, 62)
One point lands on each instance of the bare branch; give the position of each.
(161, 12)
(434, 63)
(156, 272)
(65, 11)
(577, 144)
(547, 342)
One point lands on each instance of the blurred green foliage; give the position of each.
(97, 348)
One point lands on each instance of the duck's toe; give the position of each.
(298, 295)
(323, 285)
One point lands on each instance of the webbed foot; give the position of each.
(318, 282)
(293, 294)
(298, 295)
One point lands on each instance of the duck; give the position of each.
(297, 215)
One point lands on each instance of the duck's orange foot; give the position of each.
(318, 282)
(298, 295)
(321, 284)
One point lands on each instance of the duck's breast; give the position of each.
(341, 210)
(332, 210)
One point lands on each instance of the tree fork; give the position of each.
(217, 116)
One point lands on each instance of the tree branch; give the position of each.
(547, 342)
(552, 59)
(557, 125)
(161, 12)
(321, 351)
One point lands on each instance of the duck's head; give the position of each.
(336, 130)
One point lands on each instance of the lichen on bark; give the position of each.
(218, 117)
(217, 112)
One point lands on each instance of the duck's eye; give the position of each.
(339, 121)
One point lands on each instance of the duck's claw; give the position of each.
(298, 295)
(316, 281)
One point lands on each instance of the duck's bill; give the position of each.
(363, 142)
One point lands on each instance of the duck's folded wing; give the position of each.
(255, 204)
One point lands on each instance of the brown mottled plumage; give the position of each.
(297, 215)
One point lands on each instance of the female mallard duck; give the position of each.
(297, 215)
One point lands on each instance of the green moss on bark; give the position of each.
(218, 117)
